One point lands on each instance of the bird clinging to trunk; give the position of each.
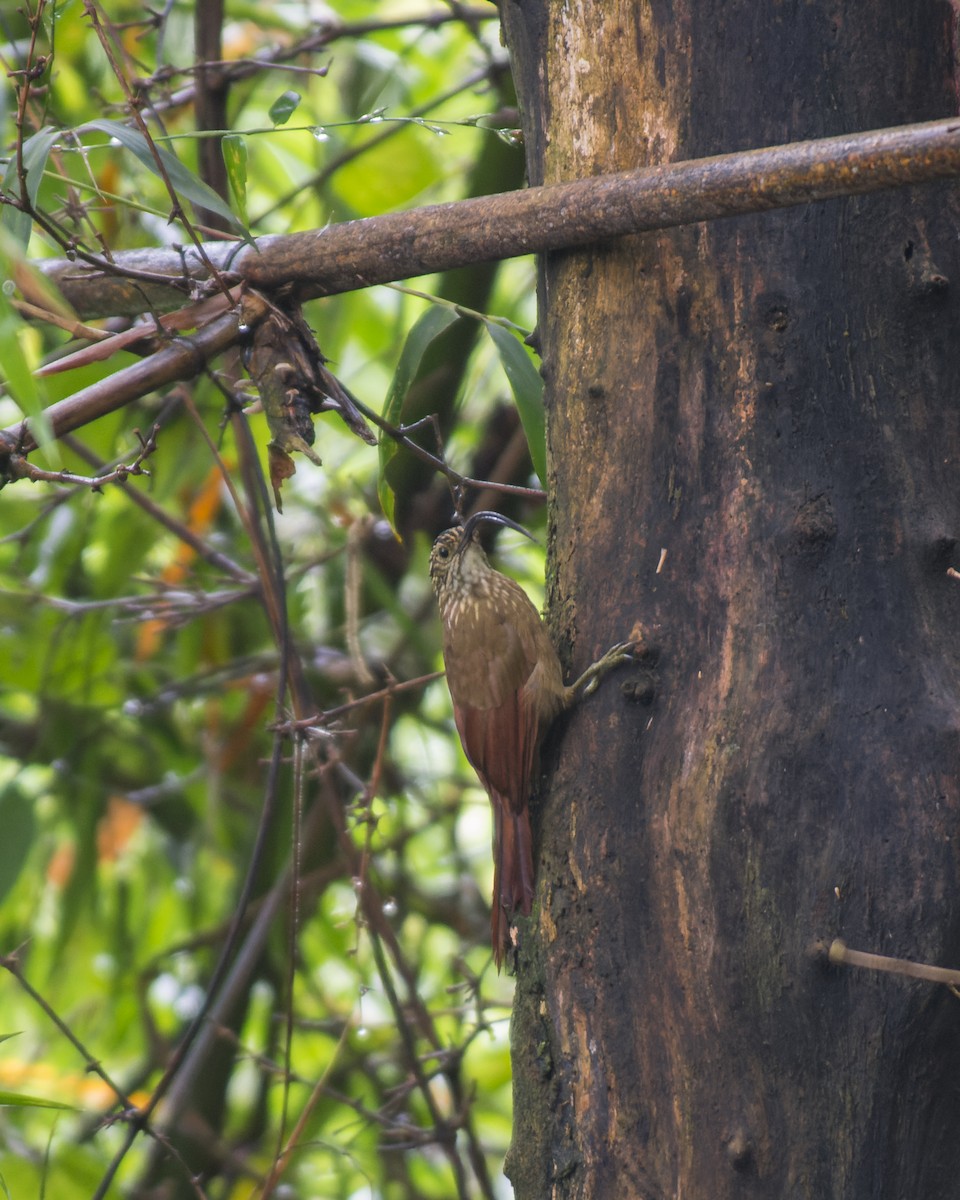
(507, 687)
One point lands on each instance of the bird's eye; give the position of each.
(443, 552)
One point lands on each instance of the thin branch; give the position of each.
(11, 963)
(400, 434)
(237, 959)
(133, 1116)
(179, 529)
(839, 954)
(282, 1159)
(236, 70)
(320, 178)
(392, 689)
(357, 254)
(18, 467)
(90, 8)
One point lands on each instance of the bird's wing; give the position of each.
(496, 715)
(501, 745)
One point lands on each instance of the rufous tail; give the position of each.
(512, 872)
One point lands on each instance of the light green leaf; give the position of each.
(184, 181)
(36, 151)
(16, 1100)
(527, 388)
(28, 279)
(15, 370)
(27, 391)
(433, 322)
(283, 108)
(19, 831)
(234, 150)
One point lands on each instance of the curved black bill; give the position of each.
(491, 518)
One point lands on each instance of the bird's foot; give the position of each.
(616, 656)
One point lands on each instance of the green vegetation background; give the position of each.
(138, 681)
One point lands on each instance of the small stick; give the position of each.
(839, 954)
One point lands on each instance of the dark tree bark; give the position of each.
(754, 444)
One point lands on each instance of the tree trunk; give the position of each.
(754, 445)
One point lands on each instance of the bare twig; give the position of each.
(839, 954)
(319, 38)
(319, 179)
(135, 1118)
(11, 963)
(179, 529)
(90, 8)
(17, 467)
(282, 1159)
(237, 958)
(331, 714)
(401, 435)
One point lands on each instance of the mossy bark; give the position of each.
(755, 454)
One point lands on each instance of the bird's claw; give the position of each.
(614, 657)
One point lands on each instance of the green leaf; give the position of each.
(15, 1099)
(16, 337)
(283, 108)
(234, 150)
(433, 322)
(36, 151)
(15, 370)
(183, 181)
(19, 831)
(527, 388)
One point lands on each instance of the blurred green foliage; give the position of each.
(171, 845)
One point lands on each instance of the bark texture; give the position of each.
(755, 452)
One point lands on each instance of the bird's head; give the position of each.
(457, 560)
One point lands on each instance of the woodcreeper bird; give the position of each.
(507, 687)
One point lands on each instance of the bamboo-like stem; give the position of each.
(356, 254)
(183, 358)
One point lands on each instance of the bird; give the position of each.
(506, 684)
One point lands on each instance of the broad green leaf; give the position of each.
(30, 282)
(379, 180)
(183, 181)
(16, 1100)
(527, 388)
(234, 150)
(15, 337)
(36, 151)
(283, 108)
(19, 831)
(433, 322)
